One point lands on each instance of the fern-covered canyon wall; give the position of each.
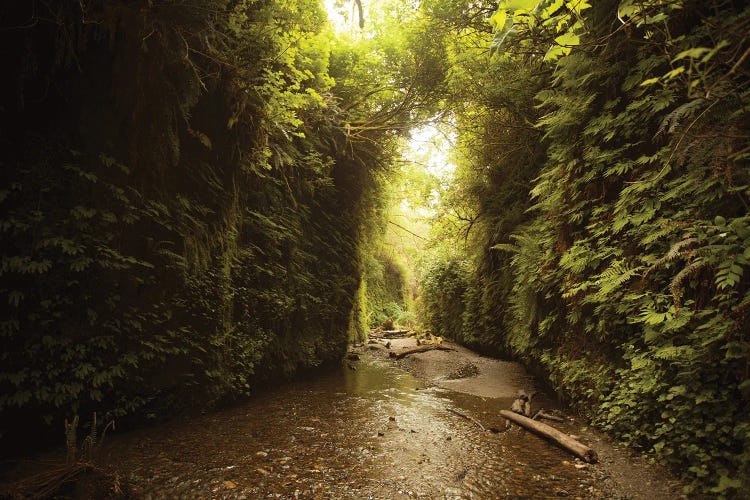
(197, 198)
(603, 182)
(183, 203)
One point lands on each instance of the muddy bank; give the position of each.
(620, 473)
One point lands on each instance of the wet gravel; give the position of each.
(373, 432)
(380, 429)
(370, 430)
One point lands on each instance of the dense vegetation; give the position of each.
(198, 196)
(186, 190)
(603, 177)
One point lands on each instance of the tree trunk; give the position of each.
(540, 414)
(563, 440)
(389, 334)
(423, 348)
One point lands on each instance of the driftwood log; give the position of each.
(561, 439)
(389, 334)
(422, 348)
(541, 414)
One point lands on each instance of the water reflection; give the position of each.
(376, 432)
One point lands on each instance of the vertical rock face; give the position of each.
(180, 216)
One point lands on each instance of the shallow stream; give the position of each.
(373, 432)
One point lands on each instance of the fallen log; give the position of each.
(562, 440)
(389, 334)
(422, 348)
(540, 414)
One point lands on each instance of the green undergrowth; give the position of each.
(185, 190)
(607, 231)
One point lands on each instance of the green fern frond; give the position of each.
(683, 112)
(675, 285)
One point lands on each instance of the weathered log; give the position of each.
(540, 414)
(422, 348)
(562, 440)
(389, 334)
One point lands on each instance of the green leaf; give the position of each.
(568, 39)
(726, 483)
(670, 75)
(577, 6)
(736, 350)
(525, 5)
(498, 19)
(501, 35)
(555, 52)
(692, 53)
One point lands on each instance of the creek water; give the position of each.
(373, 432)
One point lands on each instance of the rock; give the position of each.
(261, 454)
(392, 419)
(466, 370)
(230, 485)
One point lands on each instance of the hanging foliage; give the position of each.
(183, 204)
(623, 275)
